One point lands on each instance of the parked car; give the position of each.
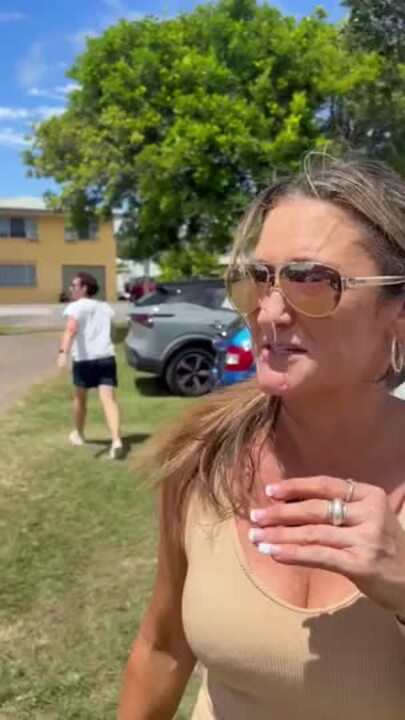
(173, 340)
(234, 361)
(136, 288)
(209, 292)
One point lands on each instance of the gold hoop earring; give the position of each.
(397, 357)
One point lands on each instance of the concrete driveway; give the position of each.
(24, 361)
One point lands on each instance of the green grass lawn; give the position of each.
(77, 553)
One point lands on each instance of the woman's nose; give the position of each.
(274, 308)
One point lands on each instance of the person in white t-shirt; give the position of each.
(87, 337)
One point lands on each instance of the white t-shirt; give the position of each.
(93, 339)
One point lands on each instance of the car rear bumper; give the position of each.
(144, 364)
(221, 377)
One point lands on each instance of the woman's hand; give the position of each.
(62, 360)
(369, 548)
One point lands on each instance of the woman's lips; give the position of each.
(283, 350)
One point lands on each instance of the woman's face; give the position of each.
(349, 348)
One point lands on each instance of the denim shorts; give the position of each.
(93, 373)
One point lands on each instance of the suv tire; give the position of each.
(189, 372)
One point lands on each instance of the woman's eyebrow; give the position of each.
(301, 259)
(260, 261)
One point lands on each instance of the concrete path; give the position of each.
(24, 361)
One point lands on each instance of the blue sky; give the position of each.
(38, 42)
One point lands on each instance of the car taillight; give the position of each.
(143, 319)
(238, 359)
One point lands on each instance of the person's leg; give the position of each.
(111, 412)
(79, 409)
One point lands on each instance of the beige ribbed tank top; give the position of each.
(265, 659)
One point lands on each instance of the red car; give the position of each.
(138, 287)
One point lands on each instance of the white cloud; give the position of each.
(9, 113)
(118, 10)
(12, 17)
(114, 5)
(42, 112)
(33, 68)
(49, 94)
(56, 93)
(78, 38)
(45, 112)
(115, 10)
(11, 138)
(67, 88)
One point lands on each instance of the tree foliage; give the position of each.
(379, 25)
(377, 116)
(188, 262)
(179, 121)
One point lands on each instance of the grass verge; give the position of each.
(77, 557)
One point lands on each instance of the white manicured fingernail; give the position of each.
(257, 515)
(254, 534)
(272, 490)
(265, 548)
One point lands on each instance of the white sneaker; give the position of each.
(115, 450)
(76, 439)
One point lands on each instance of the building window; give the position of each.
(18, 227)
(12, 276)
(31, 228)
(89, 232)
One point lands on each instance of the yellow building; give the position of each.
(39, 253)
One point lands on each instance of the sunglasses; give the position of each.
(311, 288)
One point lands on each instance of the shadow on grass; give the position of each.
(151, 387)
(128, 441)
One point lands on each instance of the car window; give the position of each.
(160, 295)
(193, 294)
(215, 297)
(198, 294)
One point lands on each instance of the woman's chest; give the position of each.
(259, 646)
(302, 587)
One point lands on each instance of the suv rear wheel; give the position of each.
(189, 372)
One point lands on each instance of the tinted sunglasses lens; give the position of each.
(246, 286)
(311, 288)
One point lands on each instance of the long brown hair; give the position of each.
(212, 448)
(203, 448)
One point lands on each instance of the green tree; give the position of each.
(379, 25)
(377, 115)
(180, 121)
(188, 262)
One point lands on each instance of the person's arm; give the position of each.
(161, 660)
(70, 331)
(113, 326)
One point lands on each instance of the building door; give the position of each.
(98, 271)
